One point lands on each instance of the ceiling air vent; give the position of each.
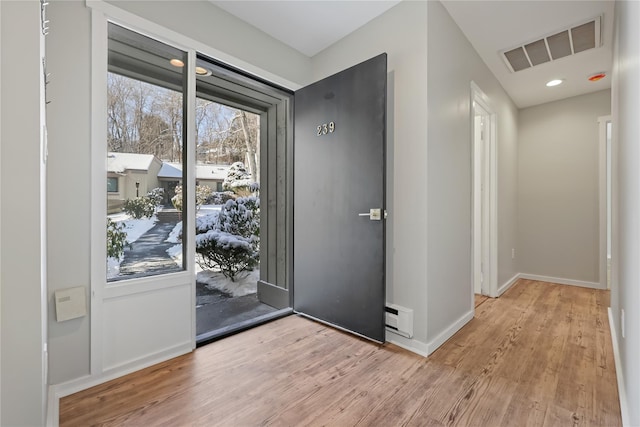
(567, 42)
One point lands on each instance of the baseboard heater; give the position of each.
(399, 320)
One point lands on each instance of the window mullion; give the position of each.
(189, 147)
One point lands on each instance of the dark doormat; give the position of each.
(217, 310)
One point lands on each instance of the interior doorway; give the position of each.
(483, 125)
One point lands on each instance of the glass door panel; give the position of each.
(145, 136)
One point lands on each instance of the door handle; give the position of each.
(373, 214)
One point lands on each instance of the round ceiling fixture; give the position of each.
(555, 82)
(597, 76)
(201, 71)
(176, 62)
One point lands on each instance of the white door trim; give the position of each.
(602, 198)
(490, 250)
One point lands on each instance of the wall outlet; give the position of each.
(513, 253)
(622, 331)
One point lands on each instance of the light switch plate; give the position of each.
(71, 303)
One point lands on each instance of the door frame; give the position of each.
(486, 249)
(603, 197)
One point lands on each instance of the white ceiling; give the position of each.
(310, 26)
(493, 26)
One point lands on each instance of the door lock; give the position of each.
(373, 214)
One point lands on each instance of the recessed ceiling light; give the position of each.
(597, 76)
(555, 82)
(176, 62)
(201, 71)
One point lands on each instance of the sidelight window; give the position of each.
(145, 137)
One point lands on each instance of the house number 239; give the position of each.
(326, 128)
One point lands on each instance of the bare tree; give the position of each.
(250, 144)
(148, 119)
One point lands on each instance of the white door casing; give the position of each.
(484, 221)
(604, 198)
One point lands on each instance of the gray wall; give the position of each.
(402, 34)
(559, 234)
(452, 66)
(22, 264)
(69, 182)
(625, 292)
(68, 115)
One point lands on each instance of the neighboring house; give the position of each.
(211, 175)
(128, 176)
(170, 175)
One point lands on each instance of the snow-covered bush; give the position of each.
(241, 217)
(239, 180)
(206, 222)
(145, 206)
(140, 207)
(116, 239)
(176, 200)
(156, 195)
(230, 239)
(230, 253)
(203, 193)
(220, 197)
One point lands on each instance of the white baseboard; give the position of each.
(410, 344)
(435, 343)
(58, 391)
(509, 283)
(622, 394)
(561, 281)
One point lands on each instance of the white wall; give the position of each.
(69, 194)
(402, 34)
(559, 222)
(625, 292)
(452, 66)
(21, 264)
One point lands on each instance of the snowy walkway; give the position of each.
(148, 254)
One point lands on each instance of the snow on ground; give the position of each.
(245, 285)
(207, 209)
(134, 229)
(174, 236)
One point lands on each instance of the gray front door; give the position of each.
(339, 177)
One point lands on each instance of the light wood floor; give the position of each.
(479, 299)
(540, 355)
